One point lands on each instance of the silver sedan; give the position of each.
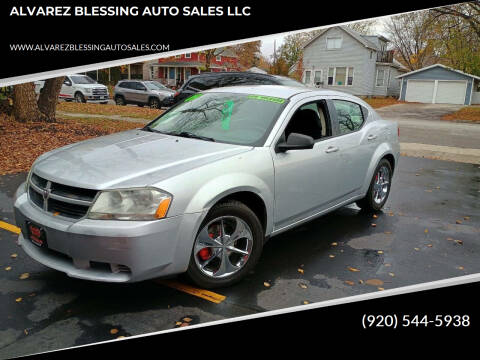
(201, 188)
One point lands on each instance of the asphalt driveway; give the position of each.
(424, 134)
(428, 231)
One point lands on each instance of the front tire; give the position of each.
(379, 189)
(155, 103)
(120, 100)
(227, 246)
(79, 98)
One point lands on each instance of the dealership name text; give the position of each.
(130, 11)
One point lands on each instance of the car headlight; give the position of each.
(28, 178)
(88, 91)
(131, 204)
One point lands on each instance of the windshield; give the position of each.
(82, 79)
(153, 85)
(225, 117)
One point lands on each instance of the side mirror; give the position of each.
(296, 141)
(68, 83)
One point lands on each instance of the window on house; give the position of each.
(188, 56)
(317, 77)
(152, 73)
(334, 43)
(219, 58)
(350, 76)
(380, 77)
(340, 76)
(308, 74)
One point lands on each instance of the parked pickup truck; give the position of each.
(79, 88)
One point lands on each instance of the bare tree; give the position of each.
(411, 36)
(470, 12)
(366, 27)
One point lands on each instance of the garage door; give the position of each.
(451, 92)
(420, 91)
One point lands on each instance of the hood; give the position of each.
(90, 86)
(163, 92)
(130, 158)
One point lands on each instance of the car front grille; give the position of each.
(99, 91)
(59, 199)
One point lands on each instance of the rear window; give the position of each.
(204, 82)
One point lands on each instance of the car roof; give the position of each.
(280, 91)
(225, 73)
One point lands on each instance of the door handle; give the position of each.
(331, 149)
(371, 137)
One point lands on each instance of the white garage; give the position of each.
(451, 92)
(438, 84)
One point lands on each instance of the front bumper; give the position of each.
(108, 250)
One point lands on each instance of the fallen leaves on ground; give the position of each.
(301, 271)
(18, 299)
(352, 269)
(331, 256)
(266, 284)
(459, 242)
(8, 268)
(334, 244)
(380, 252)
(13, 256)
(305, 302)
(24, 142)
(101, 109)
(468, 113)
(24, 276)
(460, 268)
(458, 221)
(381, 102)
(348, 282)
(391, 274)
(303, 286)
(374, 282)
(113, 331)
(187, 319)
(374, 225)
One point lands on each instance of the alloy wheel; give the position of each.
(223, 246)
(381, 185)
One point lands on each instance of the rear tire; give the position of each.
(379, 189)
(213, 263)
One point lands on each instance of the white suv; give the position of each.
(79, 88)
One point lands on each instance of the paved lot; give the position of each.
(413, 242)
(424, 134)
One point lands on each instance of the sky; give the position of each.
(268, 43)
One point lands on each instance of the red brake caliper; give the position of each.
(206, 252)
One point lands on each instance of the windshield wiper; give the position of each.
(149, 129)
(194, 136)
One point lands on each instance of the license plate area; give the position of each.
(36, 234)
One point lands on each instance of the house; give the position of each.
(174, 70)
(440, 84)
(342, 59)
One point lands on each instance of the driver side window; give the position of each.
(349, 115)
(310, 119)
